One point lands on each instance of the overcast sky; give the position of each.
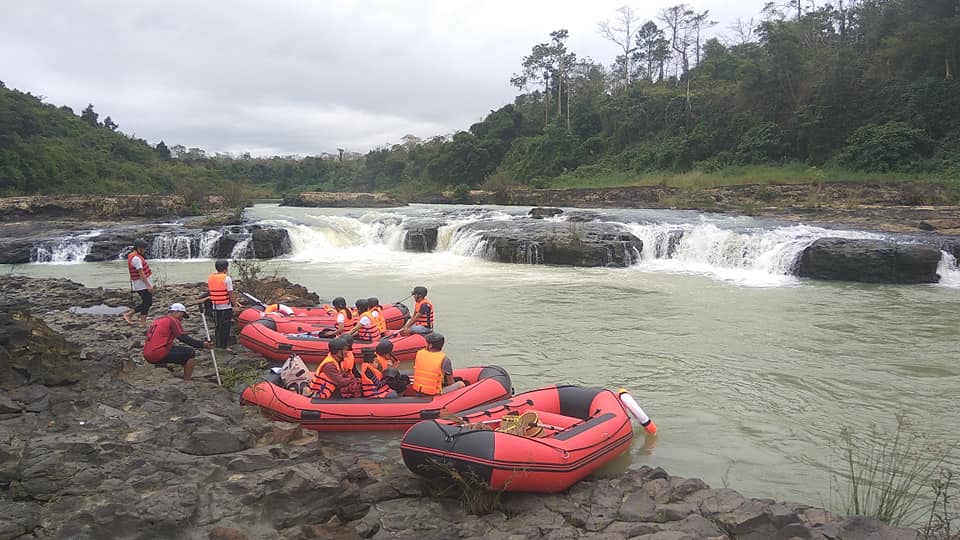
(296, 77)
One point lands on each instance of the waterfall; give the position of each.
(240, 249)
(174, 246)
(949, 270)
(66, 251)
(208, 243)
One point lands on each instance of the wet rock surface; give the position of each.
(871, 261)
(101, 445)
(536, 241)
(341, 200)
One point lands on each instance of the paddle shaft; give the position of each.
(203, 316)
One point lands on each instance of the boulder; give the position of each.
(421, 237)
(15, 252)
(270, 243)
(871, 261)
(543, 212)
(571, 244)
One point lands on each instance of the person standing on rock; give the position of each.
(224, 299)
(421, 322)
(140, 281)
(158, 349)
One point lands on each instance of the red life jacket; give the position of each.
(428, 372)
(217, 285)
(416, 310)
(134, 273)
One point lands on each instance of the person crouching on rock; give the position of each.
(158, 349)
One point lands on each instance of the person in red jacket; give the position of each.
(158, 349)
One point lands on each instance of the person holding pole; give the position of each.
(224, 299)
(158, 348)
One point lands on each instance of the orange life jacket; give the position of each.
(271, 308)
(217, 285)
(321, 386)
(348, 362)
(371, 332)
(381, 321)
(416, 310)
(134, 273)
(428, 372)
(371, 382)
(382, 362)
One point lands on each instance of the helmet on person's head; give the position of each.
(339, 302)
(385, 346)
(140, 243)
(221, 265)
(337, 344)
(347, 340)
(361, 304)
(434, 338)
(373, 301)
(369, 355)
(419, 291)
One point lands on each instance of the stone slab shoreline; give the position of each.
(96, 444)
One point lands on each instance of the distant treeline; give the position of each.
(869, 86)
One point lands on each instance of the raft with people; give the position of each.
(263, 338)
(540, 441)
(304, 319)
(483, 384)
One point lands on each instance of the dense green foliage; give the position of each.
(869, 87)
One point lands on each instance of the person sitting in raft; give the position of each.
(376, 313)
(343, 313)
(158, 349)
(385, 358)
(282, 309)
(421, 322)
(366, 328)
(433, 370)
(372, 382)
(331, 380)
(349, 361)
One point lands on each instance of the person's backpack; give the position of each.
(295, 375)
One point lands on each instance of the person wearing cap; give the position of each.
(421, 322)
(224, 299)
(432, 369)
(158, 348)
(140, 281)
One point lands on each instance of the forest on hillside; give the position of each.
(864, 85)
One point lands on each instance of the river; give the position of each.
(749, 372)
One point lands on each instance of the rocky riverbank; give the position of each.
(102, 208)
(94, 444)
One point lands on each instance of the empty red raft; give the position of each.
(583, 428)
(484, 385)
(314, 318)
(262, 339)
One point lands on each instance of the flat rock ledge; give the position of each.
(96, 444)
(100, 207)
(870, 261)
(330, 199)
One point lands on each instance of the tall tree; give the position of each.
(652, 51)
(89, 116)
(110, 124)
(621, 32)
(548, 64)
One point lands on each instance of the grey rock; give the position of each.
(270, 243)
(638, 506)
(872, 261)
(541, 212)
(558, 243)
(18, 519)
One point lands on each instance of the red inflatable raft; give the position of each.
(314, 318)
(485, 384)
(576, 430)
(262, 339)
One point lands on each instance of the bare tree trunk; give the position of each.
(948, 68)
(568, 107)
